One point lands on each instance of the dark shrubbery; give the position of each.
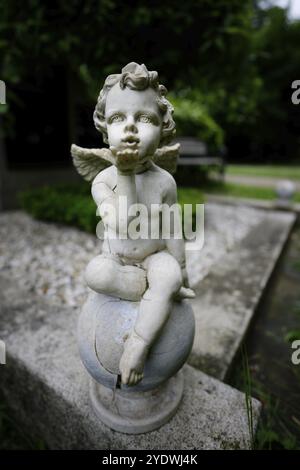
(73, 204)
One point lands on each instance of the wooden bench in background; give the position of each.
(194, 152)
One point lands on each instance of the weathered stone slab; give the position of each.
(49, 260)
(228, 296)
(47, 388)
(230, 272)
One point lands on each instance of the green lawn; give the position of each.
(271, 171)
(190, 195)
(242, 191)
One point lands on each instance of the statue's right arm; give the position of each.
(111, 204)
(105, 199)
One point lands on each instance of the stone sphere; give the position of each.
(103, 327)
(285, 190)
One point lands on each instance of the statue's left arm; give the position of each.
(175, 244)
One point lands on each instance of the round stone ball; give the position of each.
(104, 325)
(285, 190)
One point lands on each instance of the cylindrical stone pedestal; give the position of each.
(137, 412)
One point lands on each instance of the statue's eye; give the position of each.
(116, 118)
(145, 118)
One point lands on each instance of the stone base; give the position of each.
(137, 412)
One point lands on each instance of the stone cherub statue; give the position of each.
(136, 121)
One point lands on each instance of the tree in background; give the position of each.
(276, 135)
(192, 44)
(231, 62)
(259, 120)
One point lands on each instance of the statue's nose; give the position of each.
(130, 126)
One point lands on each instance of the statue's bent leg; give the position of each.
(164, 279)
(107, 275)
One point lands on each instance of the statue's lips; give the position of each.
(130, 140)
(130, 144)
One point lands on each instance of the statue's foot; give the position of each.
(133, 360)
(185, 293)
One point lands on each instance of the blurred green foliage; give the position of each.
(190, 43)
(94, 38)
(65, 204)
(276, 131)
(230, 64)
(194, 119)
(73, 204)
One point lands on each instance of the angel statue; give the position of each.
(135, 119)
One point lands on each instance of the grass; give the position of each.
(272, 432)
(248, 394)
(269, 171)
(292, 335)
(190, 196)
(242, 191)
(266, 370)
(12, 436)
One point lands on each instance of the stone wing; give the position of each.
(89, 162)
(166, 157)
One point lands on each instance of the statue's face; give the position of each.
(133, 119)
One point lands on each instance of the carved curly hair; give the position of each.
(136, 77)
